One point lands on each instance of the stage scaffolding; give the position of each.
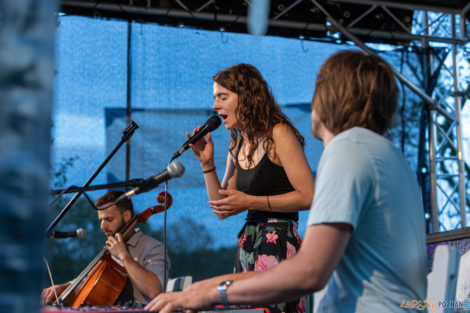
(434, 31)
(443, 176)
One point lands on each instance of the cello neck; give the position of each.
(67, 292)
(127, 230)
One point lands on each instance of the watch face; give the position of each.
(225, 284)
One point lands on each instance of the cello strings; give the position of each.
(52, 280)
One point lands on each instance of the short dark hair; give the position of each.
(123, 205)
(355, 89)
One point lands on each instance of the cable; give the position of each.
(165, 274)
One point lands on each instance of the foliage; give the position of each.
(203, 263)
(59, 176)
(190, 251)
(187, 236)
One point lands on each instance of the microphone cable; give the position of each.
(165, 272)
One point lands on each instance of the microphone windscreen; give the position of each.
(213, 122)
(175, 169)
(81, 233)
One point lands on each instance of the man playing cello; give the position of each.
(142, 256)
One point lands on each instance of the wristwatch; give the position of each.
(222, 289)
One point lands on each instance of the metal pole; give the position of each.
(128, 97)
(459, 129)
(463, 26)
(427, 65)
(424, 171)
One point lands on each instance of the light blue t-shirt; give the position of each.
(364, 181)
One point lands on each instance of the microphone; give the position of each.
(211, 124)
(79, 233)
(174, 169)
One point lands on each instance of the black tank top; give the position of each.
(266, 178)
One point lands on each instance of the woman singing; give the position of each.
(266, 174)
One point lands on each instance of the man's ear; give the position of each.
(127, 216)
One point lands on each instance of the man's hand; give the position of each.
(116, 246)
(48, 295)
(190, 300)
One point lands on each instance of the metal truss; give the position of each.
(448, 173)
(446, 170)
(289, 18)
(412, 25)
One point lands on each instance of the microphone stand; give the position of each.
(165, 275)
(130, 183)
(127, 133)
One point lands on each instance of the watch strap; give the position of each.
(222, 289)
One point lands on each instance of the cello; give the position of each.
(101, 282)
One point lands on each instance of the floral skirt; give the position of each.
(264, 245)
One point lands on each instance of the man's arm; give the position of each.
(308, 271)
(146, 281)
(48, 294)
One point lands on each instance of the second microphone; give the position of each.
(173, 170)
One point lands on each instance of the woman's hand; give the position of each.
(203, 149)
(234, 203)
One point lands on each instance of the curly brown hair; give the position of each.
(257, 111)
(355, 89)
